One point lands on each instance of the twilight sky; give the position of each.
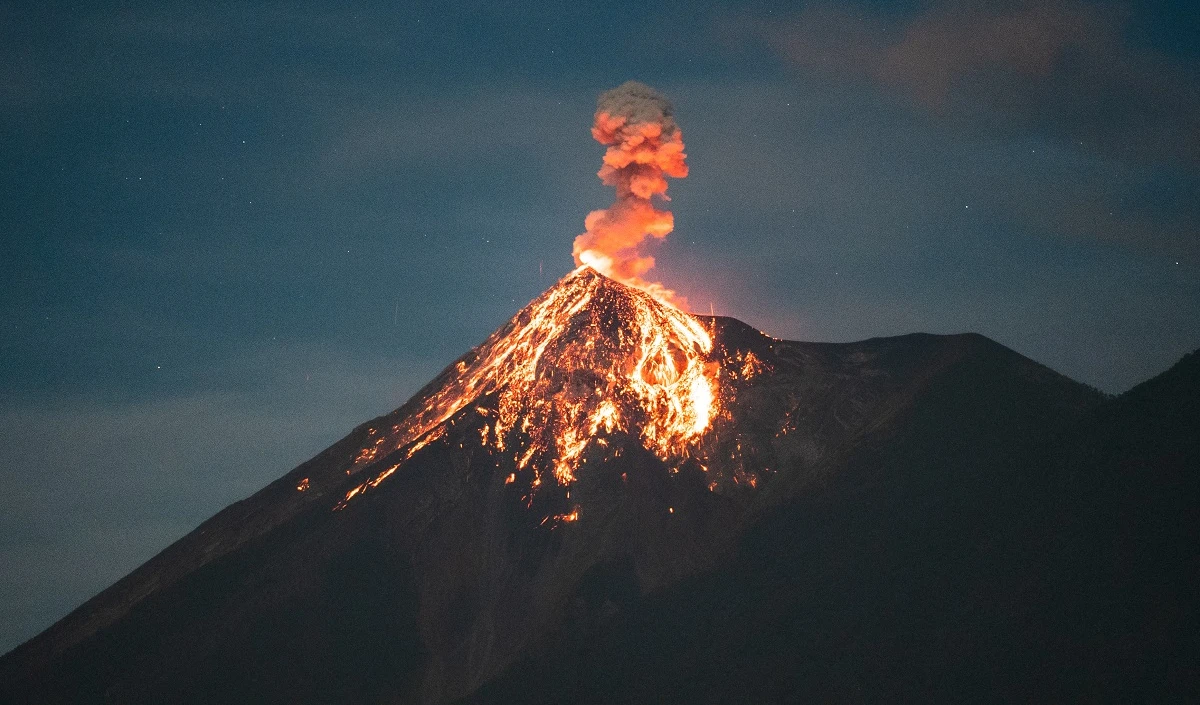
(232, 231)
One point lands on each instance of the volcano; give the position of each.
(611, 500)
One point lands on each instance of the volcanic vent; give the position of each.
(589, 359)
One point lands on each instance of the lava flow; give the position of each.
(589, 358)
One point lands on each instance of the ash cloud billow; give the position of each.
(645, 147)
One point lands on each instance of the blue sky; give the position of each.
(232, 231)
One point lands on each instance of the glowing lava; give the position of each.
(588, 359)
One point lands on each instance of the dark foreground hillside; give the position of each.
(952, 562)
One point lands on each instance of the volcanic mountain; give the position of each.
(610, 500)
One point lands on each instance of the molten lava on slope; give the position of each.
(588, 358)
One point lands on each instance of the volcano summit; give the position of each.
(588, 358)
(610, 500)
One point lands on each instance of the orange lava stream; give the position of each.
(564, 375)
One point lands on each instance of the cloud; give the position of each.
(956, 43)
(1062, 67)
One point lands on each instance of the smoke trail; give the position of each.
(644, 148)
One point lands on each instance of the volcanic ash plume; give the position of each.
(644, 148)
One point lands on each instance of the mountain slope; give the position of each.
(946, 562)
(600, 466)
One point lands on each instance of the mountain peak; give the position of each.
(534, 500)
(588, 358)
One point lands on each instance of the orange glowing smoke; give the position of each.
(644, 148)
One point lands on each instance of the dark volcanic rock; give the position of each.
(922, 517)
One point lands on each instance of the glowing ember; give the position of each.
(588, 359)
(746, 365)
(556, 519)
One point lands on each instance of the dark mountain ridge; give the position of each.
(899, 517)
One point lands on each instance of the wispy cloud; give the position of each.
(1062, 67)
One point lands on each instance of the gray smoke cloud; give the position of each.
(638, 103)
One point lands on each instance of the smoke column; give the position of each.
(645, 146)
